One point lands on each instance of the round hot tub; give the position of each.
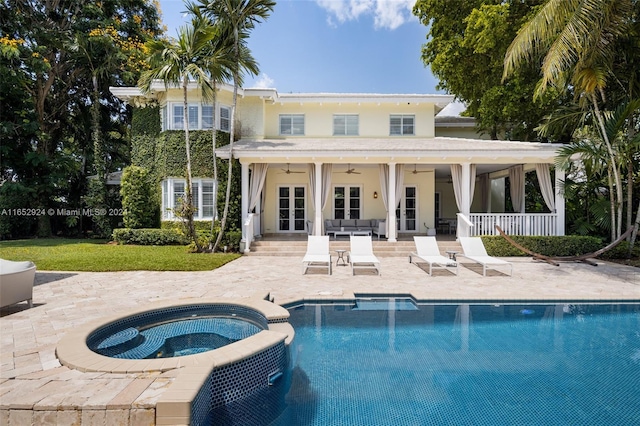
(176, 331)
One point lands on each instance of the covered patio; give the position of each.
(430, 180)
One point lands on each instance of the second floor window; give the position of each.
(345, 125)
(401, 125)
(201, 117)
(225, 119)
(292, 124)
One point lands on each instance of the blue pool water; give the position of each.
(462, 364)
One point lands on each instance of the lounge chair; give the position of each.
(16, 282)
(317, 255)
(361, 254)
(474, 250)
(428, 251)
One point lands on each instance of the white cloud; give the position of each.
(264, 82)
(389, 14)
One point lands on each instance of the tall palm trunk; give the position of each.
(223, 222)
(214, 141)
(187, 208)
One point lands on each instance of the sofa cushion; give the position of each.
(363, 223)
(335, 223)
(351, 223)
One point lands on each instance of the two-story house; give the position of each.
(309, 157)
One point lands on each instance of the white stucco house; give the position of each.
(310, 157)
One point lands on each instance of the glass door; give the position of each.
(291, 209)
(347, 202)
(407, 214)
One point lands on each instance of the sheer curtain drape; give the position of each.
(485, 191)
(258, 177)
(384, 184)
(326, 171)
(456, 178)
(546, 188)
(516, 184)
(399, 183)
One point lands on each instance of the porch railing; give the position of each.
(542, 224)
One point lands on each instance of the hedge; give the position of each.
(231, 237)
(149, 237)
(570, 245)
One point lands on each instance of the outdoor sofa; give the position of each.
(16, 282)
(375, 226)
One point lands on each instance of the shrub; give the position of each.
(139, 201)
(231, 237)
(149, 237)
(621, 251)
(570, 245)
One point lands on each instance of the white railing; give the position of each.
(248, 233)
(542, 224)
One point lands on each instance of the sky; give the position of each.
(330, 46)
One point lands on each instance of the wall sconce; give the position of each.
(375, 194)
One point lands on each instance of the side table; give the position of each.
(341, 257)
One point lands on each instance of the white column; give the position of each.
(391, 201)
(318, 201)
(559, 202)
(244, 203)
(465, 208)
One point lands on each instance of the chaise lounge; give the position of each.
(474, 250)
(317, 255)
(427, 250)
(361, 254)
(16, 282)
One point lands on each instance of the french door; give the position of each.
(347, 202)
(291, 208)
(407, 214)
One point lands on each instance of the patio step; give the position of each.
(380, 248)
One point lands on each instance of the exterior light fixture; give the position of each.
(375, 194)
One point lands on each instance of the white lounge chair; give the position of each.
(317, 255)
(16, 282)
(474, 250)
(361, 254)
(428, 251)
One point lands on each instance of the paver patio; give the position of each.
(35, 388)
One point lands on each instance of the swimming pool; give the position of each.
(384, 362)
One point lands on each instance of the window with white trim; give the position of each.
(292, 124)
(207, 117)
(225, 119)
(174, 192)
(345, 125)
(201, 117)
(400, 125)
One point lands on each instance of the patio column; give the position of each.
(465, 199)
(559, 200)
(317, 229)
(244, 203)
(391, 220)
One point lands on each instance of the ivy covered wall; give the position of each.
(164, 155)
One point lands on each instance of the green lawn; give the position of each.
(96, 255)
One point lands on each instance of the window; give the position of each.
(292, 124)
(225, 119)
(203, 193)
(164, 118)
(207, 116)
(178, 117)
(345, 125)
(401, 125)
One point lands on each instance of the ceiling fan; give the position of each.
(288, 172)
(350, 171)
(415, 171)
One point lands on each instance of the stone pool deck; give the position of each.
(36, 389)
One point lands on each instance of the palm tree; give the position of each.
(220, 62)
(238, 17)
(577, 38)
(175, 62)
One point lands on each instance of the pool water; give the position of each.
(464, 364)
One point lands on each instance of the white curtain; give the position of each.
(384, 184)
(546, 188)
(327, 169)
(311, 168)
(516, 183)
(399, 183)
(456, 178)
(258, 176)
(485, 191)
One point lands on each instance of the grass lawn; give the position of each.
(54, 254)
